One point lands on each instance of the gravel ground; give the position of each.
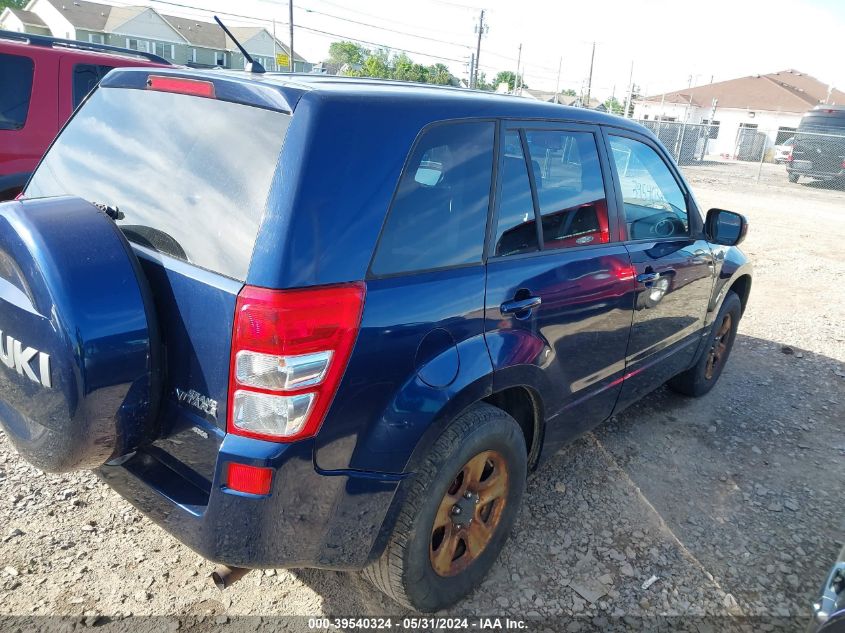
(729, 501)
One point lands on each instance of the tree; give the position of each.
(509, 77)
(404, 69)
(614, 106)
(439, 74)
(345, 52)
(374, 66)
(14, 4)
(380, 64)
(482, 83)
(569, 92)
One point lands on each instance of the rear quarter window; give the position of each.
(15, 90)
(439, 214)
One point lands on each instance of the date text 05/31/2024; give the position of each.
(422, 623)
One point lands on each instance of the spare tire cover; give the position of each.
(79, 359)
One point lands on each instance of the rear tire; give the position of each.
(702, 377)
(481, 454)
(793, 177)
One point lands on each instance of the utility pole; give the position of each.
(630, 92)
(471, 69)
(478, 48)
(516, 77)
(275, 59)
(590, 78)
(290, 19)
(557, 83)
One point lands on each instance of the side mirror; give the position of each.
(727, 228)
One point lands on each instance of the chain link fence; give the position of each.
(778, 155)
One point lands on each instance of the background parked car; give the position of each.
(819, 150)
(783, 150)
(42, 80)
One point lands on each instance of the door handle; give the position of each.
(520, 305)
(647, 278)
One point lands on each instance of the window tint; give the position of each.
(15, 90)
(439, 215)
(85, 79)
(655, 206)
(570, 188)
(516, 230)
(192, 186)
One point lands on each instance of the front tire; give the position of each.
(458, 514)
(793, 177)
(702, 377)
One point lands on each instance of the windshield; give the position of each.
(190, 176)
(823, 123)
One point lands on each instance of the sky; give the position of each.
(671, 43)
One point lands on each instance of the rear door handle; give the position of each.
(520, 305)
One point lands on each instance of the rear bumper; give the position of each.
(810, 172)
(309, 519)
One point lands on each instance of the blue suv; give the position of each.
(309, 321)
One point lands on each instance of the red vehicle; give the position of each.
(42, 80)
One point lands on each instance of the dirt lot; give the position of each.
(730, 501)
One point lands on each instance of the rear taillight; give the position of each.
(289, 351)
(789, 158)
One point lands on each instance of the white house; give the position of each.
(768, 106)
(179, 40)
(21, 21)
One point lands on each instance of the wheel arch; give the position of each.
(524, 405)
(741, 285)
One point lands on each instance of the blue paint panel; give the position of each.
(383, 407)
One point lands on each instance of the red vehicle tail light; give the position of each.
(789, 158)
(180, 85)
(252, 479)
(289, 351)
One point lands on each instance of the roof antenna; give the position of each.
(253, 66)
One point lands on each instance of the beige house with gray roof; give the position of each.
(177, 39)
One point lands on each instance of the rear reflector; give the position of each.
(251, 479)
(180, 85)
(289, 351)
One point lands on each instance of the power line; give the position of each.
(310, 29)
(381, 18)
(457, 5)
(398, 48)
(384, 28)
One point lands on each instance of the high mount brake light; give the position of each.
(180, 85)
(289, 351)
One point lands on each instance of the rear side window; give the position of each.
(439, 215)
(190, 176)
(15, 90)
(570, 188)
(516, 230)
(85, 79)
